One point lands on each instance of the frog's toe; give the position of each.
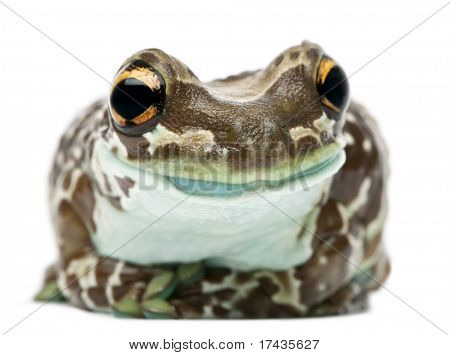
(161, 286)
(127, 307)
(159, 289)
(188, 274)
(158, 308)
(154, 303)
(50, 292)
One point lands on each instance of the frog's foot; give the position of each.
(98, 284)
(50, 292)
(148, 301)
(105, 284)
(353, 298)
(154, 301)
(349, 299)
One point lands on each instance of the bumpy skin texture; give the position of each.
(348, 259)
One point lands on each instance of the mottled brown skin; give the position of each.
(328, 283)
(286, 102)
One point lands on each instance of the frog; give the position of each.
(259, 195)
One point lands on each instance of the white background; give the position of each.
(406, 88)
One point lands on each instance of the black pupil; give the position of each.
(131, 97)
(335, 88)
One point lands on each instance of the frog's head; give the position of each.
(262, 127)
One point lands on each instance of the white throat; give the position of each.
(271, 228)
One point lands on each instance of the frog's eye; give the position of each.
(137, 98)
(332, 85)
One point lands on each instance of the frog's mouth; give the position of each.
(317, 167)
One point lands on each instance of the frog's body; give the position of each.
(247, 175)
